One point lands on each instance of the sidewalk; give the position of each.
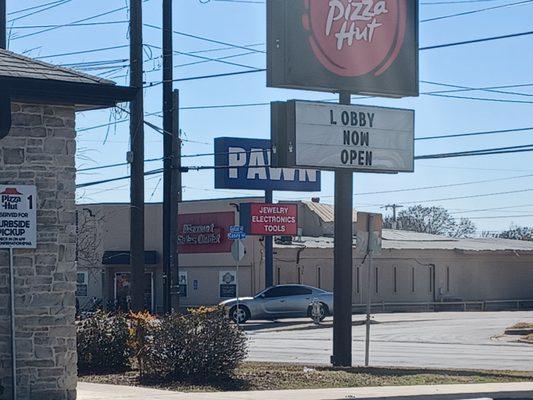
(91, 391)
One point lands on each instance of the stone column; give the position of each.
(40, 150)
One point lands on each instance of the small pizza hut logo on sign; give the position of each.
(342, 30)
(10, 199)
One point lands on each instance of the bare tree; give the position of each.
(433, 220)
(88, 243)
(517, 233)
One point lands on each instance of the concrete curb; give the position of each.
(519, 390)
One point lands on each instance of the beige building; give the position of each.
(412, 271)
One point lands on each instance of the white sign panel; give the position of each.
(360, 138)
(18, 217)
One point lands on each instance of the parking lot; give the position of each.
(435, 340)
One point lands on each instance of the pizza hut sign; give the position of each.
(365, 46)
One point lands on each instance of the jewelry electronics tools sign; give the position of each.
(18, 217)
(357, 46)
(331, 137)
(246, 164)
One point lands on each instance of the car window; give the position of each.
(282, 291)
(300, 290)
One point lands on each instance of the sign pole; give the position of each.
(369, 288)
(342, 272)
(13, 332)
(269, 248)
(237, 288)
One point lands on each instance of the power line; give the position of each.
(476, 11)
(116, 165)
(487, 39)
(47, 6)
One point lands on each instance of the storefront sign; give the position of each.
(270, 219)
(227, 284)
(358, 46)
(331, 136)
(248, 162)
(182, 283)
(204, 233)
(18, 216)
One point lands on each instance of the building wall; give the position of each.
(406, 275)
(112, 234)
(40, 150)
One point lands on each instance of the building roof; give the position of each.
(28, 80)
(404, 240)
(18, 66)
(326, 212)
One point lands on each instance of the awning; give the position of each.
(123, 257)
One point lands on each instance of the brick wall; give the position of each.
(40, 150)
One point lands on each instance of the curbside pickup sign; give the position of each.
(332, 136)
(18, 217)
(270, 219)
(245, 164)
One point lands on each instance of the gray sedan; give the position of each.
(282, 301)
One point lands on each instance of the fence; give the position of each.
(487, 305)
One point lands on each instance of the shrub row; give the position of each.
(196, 346)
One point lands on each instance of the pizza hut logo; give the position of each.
(356, 37)
(12, 192)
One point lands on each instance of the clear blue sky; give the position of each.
(503, 62)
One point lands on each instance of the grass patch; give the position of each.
(277, 376)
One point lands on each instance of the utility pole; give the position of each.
(394, 207)
(136, 158)
(3, 24)
(342, 265)
(176, 196)
(167, 152)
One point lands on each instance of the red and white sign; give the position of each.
(273, 219)
(205, 233)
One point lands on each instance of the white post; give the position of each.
(12, 307)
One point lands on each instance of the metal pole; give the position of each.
(167, 150)
(237, 288)
(174, 204)
(137, 158)
(269, 249)
(13, 331)
(342, 273)
(369, 289)
(3, 25)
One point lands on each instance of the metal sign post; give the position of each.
(342, 265)
(372, 245)
(238, 252)
(12, 317)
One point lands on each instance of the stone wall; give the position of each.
(40, 150)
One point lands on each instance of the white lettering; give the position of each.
(236, 159)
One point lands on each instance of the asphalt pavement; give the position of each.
(465, 340)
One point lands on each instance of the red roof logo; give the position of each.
(12, 192)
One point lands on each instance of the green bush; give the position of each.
(103, 343)
(203, 344)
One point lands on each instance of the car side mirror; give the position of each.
(262, 295)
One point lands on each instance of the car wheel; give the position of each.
(324, 312)
(239, 315)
